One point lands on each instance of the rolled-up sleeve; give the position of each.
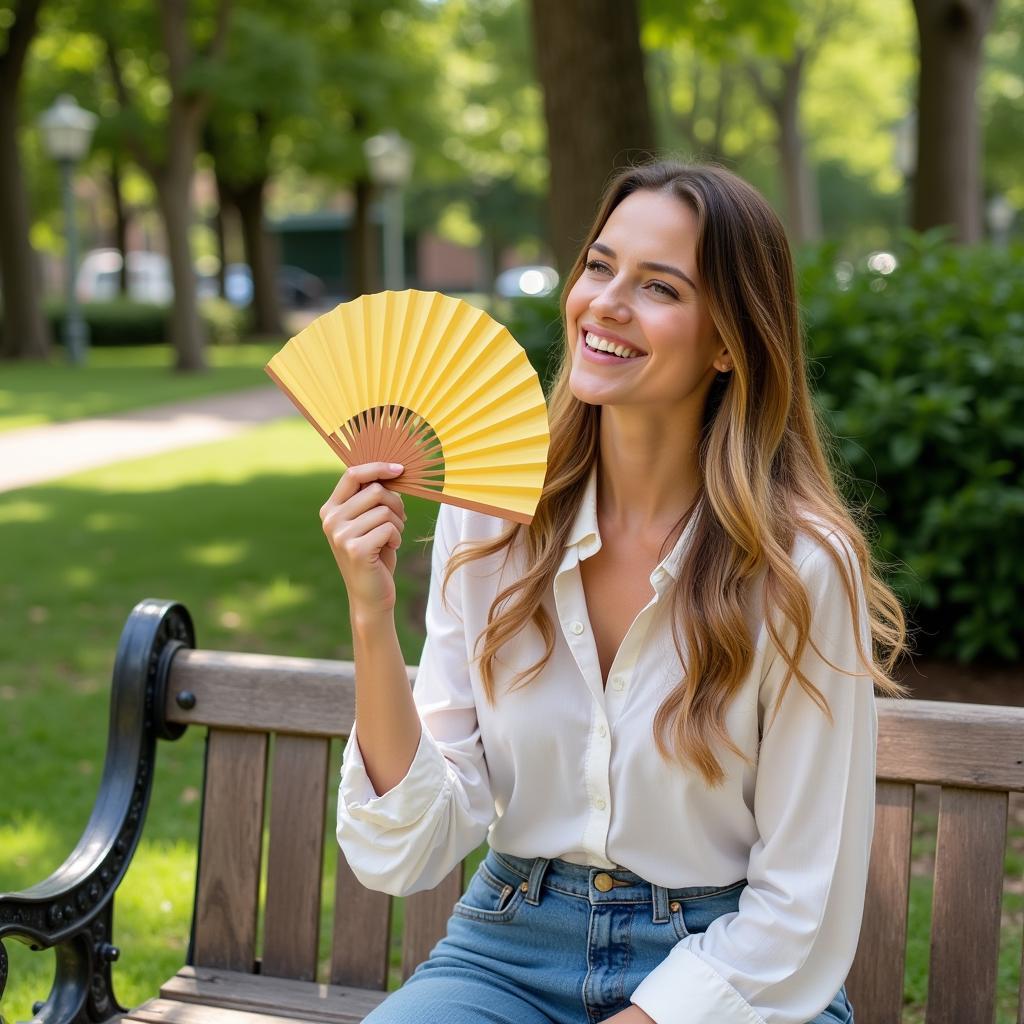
(783, 955)
(409, 838)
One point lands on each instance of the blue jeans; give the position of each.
(538, 942)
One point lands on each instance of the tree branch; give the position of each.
(768, 96)
(124, 99)
(215, 48)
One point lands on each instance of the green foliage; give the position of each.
(921, 377)
(536, 323)
(225, 323)
(125, 322)
(1001, 99)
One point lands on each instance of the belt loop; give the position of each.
(540, 865)
(659, 898)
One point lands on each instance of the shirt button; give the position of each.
(600, 804)
(618, 683)
(603, 731)
(576, 627)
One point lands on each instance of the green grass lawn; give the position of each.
(232, 530)
(119, 379)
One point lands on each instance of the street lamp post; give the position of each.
(389, 158)
(67, 130)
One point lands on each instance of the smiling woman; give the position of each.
(655, 702)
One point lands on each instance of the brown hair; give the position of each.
(764, 475)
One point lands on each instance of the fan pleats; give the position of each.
(432, 382)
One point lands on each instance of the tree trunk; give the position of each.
(25, 333)
(174, 183)
(266, 308)
(120, 223)
(591, 68)
(365, 248)
(800, 184)
(947, 180)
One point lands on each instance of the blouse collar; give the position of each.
(585, 538)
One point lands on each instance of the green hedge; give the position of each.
(124, 322)
(920, 374)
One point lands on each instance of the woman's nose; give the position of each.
(610, 302)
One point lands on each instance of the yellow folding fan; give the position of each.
(431, 382)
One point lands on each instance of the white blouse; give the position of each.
(564, 768)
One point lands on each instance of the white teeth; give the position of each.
(604, 345)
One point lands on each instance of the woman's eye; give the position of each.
(663, 289)
(595, 265)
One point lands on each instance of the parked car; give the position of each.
(296, 288)
(149, 280)
(530, 280)
(149, 276)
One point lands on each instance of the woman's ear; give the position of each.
(723, 364)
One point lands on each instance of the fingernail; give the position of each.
(395, 467)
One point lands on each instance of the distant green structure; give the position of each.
(321, 243)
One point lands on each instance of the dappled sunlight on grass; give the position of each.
(231, 527)
(122, 378)
(24, 510)
(104, 521)
(217, 554)
(25, 843)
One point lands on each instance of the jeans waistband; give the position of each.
(614, 885)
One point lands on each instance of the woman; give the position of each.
(656, 702)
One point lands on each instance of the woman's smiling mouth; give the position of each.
(601, 350)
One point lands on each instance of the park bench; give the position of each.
(277, 715)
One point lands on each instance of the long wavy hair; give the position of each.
(765, 472)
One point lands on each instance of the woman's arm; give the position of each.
(784, 954)
(389, 726)
(408, 836)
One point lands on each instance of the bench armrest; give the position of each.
(71, 911)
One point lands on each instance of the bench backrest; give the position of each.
(293, 707)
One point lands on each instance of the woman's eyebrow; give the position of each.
(663, 268)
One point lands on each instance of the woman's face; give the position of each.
(640, 288)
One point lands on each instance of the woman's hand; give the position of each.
(363, 522)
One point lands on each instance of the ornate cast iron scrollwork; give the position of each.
(71, 911)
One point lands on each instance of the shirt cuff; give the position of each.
(683, 989)
(403, 804)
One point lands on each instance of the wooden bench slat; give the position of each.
(267, 692)
(230, 850)
(294, 1000)
(168, 1011)
(362, 931)
(973, 746)
(875, 982)
(298, 798)
(426, 918)
(966, 906)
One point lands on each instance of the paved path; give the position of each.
(37, 454)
